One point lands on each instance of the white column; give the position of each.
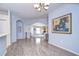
(8, 40)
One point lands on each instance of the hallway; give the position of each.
(27, 47)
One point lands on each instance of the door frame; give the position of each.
(20, 29)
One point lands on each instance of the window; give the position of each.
(38, 30)
(38, 40)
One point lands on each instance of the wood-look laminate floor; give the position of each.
(24, 47)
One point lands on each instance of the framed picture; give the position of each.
(62, 24)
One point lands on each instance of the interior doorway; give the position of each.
(39, 32)
(19, 29)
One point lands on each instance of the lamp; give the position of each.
(41, 6)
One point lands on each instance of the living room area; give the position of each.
(29, 31)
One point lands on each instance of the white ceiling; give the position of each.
(26, 10)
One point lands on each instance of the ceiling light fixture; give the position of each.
(41, 6)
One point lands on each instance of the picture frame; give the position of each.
(62, 24)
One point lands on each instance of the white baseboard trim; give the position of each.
(64, 48)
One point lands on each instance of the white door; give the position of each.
(19, 29)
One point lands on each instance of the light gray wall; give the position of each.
(14, 18)
(68, 41)
(29, 22)
(13, 28)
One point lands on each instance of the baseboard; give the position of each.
(64, 48)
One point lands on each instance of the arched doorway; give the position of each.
(38, 32)
(38, 28)
(19, 29)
